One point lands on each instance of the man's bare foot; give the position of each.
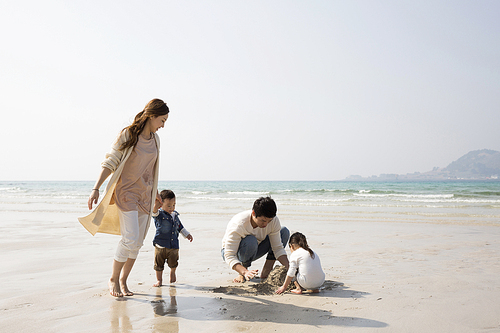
(114, 289)
(239, 279)
(124, 288)
(157, 284)
(173, 277)
(296, 291)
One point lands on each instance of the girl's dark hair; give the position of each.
(155, 108)
(265, 206)
(167, 194)
(299, 239)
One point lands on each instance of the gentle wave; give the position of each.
(218, 198)
(314, 200)
(476, 194)
(405, 195)
(11, 189)
(453, 200)
(248, 192)
(349, 200)
(200, 192)
(316, 191)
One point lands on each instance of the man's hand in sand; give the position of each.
(247, 275)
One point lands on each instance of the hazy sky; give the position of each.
(258, 90)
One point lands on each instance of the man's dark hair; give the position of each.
(167, 194)
(265, 206)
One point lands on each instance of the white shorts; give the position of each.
(133, 226)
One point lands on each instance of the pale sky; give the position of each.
(257, 90)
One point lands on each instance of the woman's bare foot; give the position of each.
(239, 279)
(296, 291)
(157, 284)
(124, 288)
(114, 289)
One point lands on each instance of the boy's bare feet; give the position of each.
(159, 279)
(114, 289)
(173, 277)
(124, 288)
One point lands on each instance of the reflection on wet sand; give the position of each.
(166, 307)
(119, 312)
(120, 321)
(161, 307)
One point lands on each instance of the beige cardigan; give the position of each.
(104, 218)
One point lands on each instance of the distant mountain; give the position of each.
(483, 163)
(477, 164)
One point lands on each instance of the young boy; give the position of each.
(166, 241)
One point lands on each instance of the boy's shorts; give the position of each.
(163, 254)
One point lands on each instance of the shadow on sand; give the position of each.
(240, 305)
(268, 310)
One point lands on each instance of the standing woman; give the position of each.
(131, 192)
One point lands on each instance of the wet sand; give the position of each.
(383, 276)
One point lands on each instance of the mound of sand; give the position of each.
(269, 286)
(275, 280)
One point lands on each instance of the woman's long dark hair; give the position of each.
(299, 239)
(155, 108)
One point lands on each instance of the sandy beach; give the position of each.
(384, 275)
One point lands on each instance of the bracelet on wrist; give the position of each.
(95, 189)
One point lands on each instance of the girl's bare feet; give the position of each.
(114, 289)
(157, 284)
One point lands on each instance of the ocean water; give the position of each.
(450, 202)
